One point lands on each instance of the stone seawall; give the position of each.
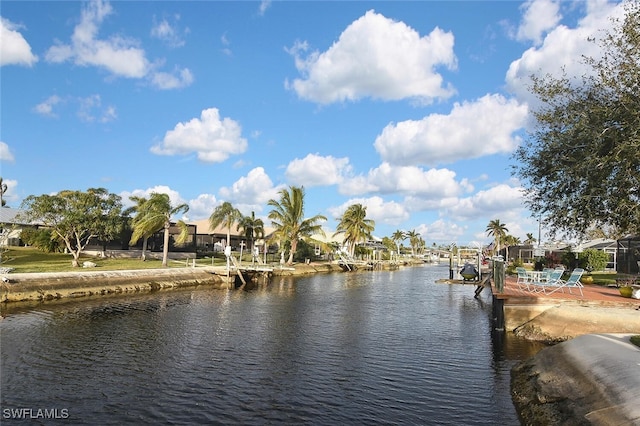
(48, 286)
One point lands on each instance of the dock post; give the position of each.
(451, 266)
(498, 275)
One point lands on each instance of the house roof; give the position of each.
(11, 215)
(204, 228)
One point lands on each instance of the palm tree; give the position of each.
(3, 190)
(414, 240)
(355, 226)
(251, 227)
(397, 237)
(288, 219)
(225, 214)
(154, 215)
(498, 230)
(139, 208)
(530, 239)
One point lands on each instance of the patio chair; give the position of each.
(572, 282)
(553, 279)
(523, 278)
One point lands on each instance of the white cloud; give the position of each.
(441, 232)
(264, 5)
(202, 206)
(563, 48)
(91, 110)
(539, 17)
(316, 170)
(46, 107)
(376, 57)
(471, 130)
(500, 200)
(14, 49)
(212, 138)
(251, 191)
(118, 55)
(179, 79)
(5, 153)
(11, 194)
(174, 196)
(168, 32)
(382, 212)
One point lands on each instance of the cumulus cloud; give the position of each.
(5, 153)
(498, 200)
(317, 170)
(441, 231)
(381, 211)
(539, 17)
(119, 55)
(376, 57)
(563, 48)
(434, 184)
(174, 196)
(202, 206)
(211, 137)
(14, 49)
(472, 129)
(252, 190)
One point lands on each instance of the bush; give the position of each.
(593, 260)
(42, 239)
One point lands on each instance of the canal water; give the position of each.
(383, 347)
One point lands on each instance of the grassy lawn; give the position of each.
(27, 259)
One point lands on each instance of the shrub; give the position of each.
(593, 260)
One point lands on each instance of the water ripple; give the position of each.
(372, 348)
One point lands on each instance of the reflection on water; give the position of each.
(390, 347)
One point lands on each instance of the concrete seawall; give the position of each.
(22, 287)
(48, 286)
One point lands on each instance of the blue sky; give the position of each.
(412, 109)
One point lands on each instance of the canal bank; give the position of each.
(42, 286)
(590, 380)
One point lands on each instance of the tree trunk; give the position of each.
(144, 248)
(165, 249)
(294, 247)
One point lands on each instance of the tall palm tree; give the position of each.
(251, 227)
(288, 219)
(355, 226)
(3, 190)
(138, 208)
(498, 230)
(155, 214)
(414, 240)
(530, 239)
(398, 237)
(225, 214)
